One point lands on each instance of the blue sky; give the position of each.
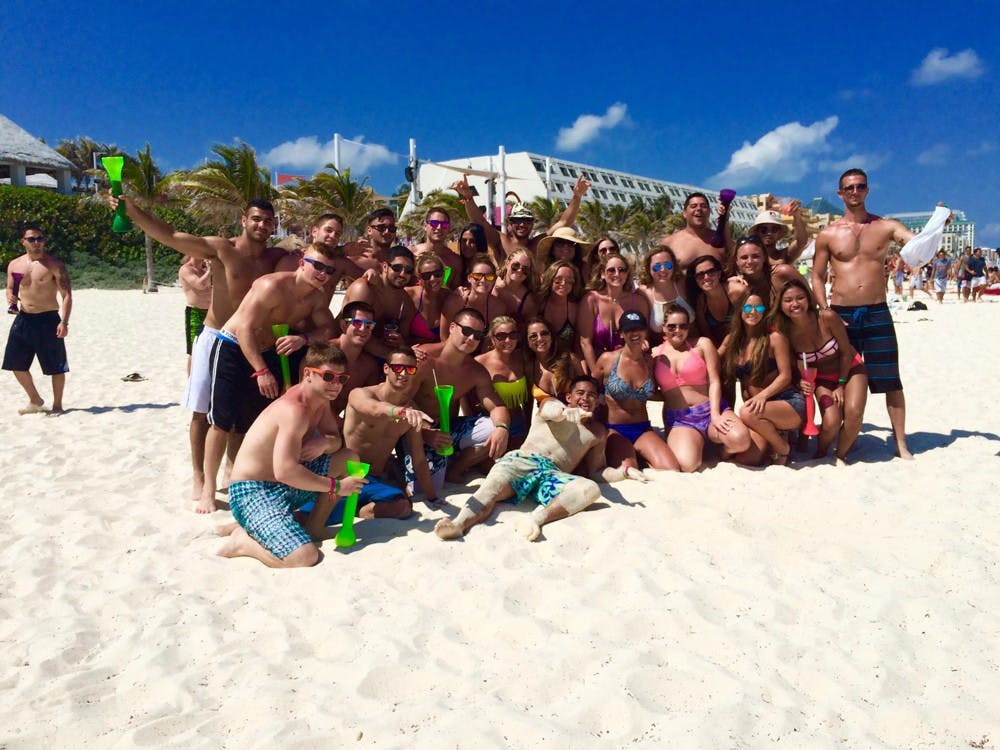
(756, 97)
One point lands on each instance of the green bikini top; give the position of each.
(514, 394)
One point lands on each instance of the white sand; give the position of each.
(793, 607)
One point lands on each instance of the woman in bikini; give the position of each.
(428, 297)
(627, 375)
(551, 371)
(560, 304)
(611, 294)
(841, 380)
(693, 407)
(660, 280)
(708, 294)
(516, 284)
(505, 363)
(478, 294)
(761, 360)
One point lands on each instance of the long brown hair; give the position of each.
(740, 336)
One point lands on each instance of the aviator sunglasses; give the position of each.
(754, 309)
(664, 266)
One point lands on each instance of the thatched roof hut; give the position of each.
(21, 154)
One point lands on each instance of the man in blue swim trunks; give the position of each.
(375, 419)
(292, 454)
(562, 437)
(855, 249)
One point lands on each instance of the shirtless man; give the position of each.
(357, 321)
(292, 455)
(474, 437)
(376, 418)
(244, 357)
(386, 293)
(520, 221)
(695, 239)
(771, 230)
(325, 231)
(43, 322)
(372, 250)
(561, 438)
(235, 262)
(437, 229)
(855, 249)
(195, 276)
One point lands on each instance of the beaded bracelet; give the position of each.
(334, 486)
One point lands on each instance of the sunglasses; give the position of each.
(664, 266)
(767, 229)
(401, 268)
(321, 267)
(400, 369)
(477, 276)
(521, 221)
(330, 377)
(859, 188)
(562, 279)
(539, 335)
(428, 275)
(754, 239)
(677, 326)
(606, 250)
(477, 333)
(438, 224)
(505, 336)
(754, 309)
(616, 270)
(361, 323)
(383, 227)
(34, 240)
(707, 274)
(516, 267)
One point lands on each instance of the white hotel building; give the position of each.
(532, 175)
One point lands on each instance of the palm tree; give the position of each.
(81, 152)
(411, 225)
(592, 219)
(145, 186)
(546, 210)
(219, 191)
(330, 191)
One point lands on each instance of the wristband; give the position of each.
(334, 486)
(261, 371)
(842, 381)
(392, 413)
(502, 426)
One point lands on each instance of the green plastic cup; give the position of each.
(113, 166)
(346, 537)
(279, 330)
(447, 275)
(444, 394)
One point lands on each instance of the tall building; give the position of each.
(533, 175)
(957, 235)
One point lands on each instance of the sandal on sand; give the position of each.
(133, 377)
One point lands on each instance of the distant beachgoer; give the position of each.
(855, 248)
(562, 438)
(941, 268)
(975, 266)
(962, 277)
(293, 454)
(42, 324)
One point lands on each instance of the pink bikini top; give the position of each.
(692, 372)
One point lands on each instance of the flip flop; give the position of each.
(133, 377)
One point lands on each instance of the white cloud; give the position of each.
(867, 162)
(986, 147)
(587, 127)
(934, 156)
(938, 67)
(308, 153)
(784, 154)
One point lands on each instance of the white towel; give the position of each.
(921, 248)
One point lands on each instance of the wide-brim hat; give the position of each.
(562, 233)
(768, 217)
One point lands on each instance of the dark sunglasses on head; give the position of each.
(34, 240)
(428, 275)
(401, 268)
(664, 266)
(321, 267)
(505, 336)
(400, 369)
(438, 224)
(329, 376)
(754, 308)
(677, 326)
(477, 333)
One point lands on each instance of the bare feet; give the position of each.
(226, 529)
(197, 487)
(445, 529)
(203, 506)
(903, 452)
(530, 529)
(56, 411)
(32, 408)
(237, 543)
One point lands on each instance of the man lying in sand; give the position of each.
(560, 438)
(283, 464)
(376, 418)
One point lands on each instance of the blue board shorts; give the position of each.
(376, 491)
(536, 477)
(872, 334)
(265, 510)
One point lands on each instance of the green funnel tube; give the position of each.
(444, 394)
(279, 330)
(447, 275)
(113, 165)
(346, 537)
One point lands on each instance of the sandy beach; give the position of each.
(807, 606)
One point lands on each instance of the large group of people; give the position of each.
(529, 357)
